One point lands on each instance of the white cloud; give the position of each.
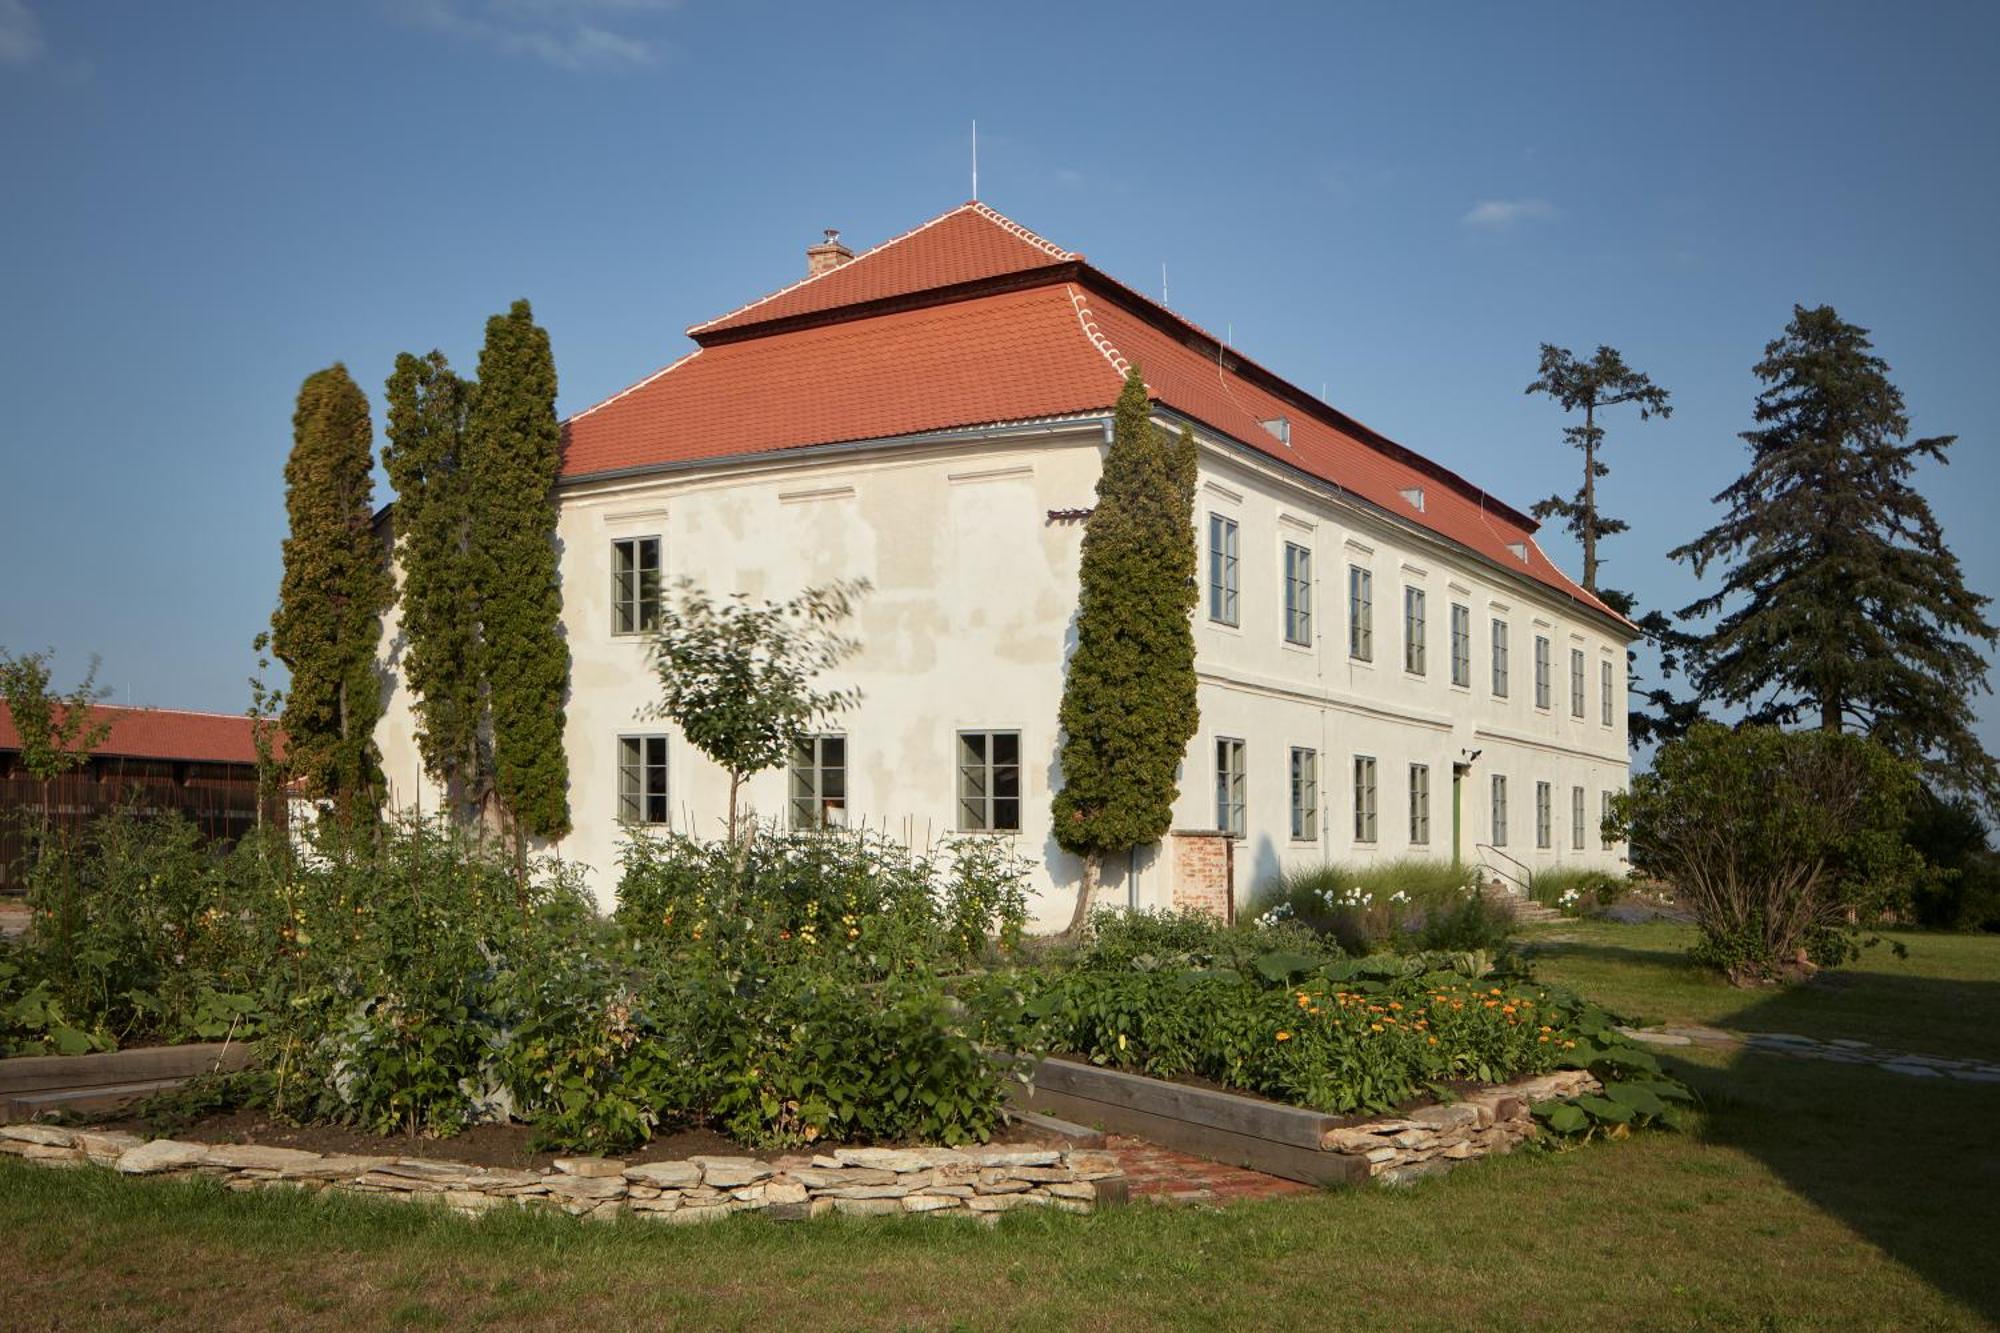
(1500, 214)
(20, 33)
(568, 34)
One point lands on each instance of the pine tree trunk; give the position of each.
(1830, 714)
(1086, 888)
(1590, 497)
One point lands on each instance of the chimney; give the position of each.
(828, 255)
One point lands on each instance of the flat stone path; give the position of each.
(1160, 1175)
(1839, 1050)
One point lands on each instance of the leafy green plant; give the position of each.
(1407, 903)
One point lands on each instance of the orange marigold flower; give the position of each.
(1394, 1005)
(1284, 1036)
(1433, 1041)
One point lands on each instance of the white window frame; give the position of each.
(1361, 613)
(1576, 699)
(1577, 818)
(1461, 645)
(1365, 826)
(629, 600)
(810, 804)
(1225, 570)
(1544, 665)
(1545, 816)
(1607, 685)
(642, 758)
(981, 775)
(1420, 805)
(1298, 594)
(1305, 794)
(1497, 833)
(1500, 683)
(1414, 630)
(1232, 807)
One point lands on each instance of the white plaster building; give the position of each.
(1389, 664)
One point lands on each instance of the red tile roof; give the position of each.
(973, 320)
(969, 243)
(163, 733)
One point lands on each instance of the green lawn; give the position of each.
(1810, 1196)
(1942, 999)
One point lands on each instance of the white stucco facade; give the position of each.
(971, 618)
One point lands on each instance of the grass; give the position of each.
(1942, 999)
(1547, 887)
(1809, 1196)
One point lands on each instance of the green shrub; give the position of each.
(857, 902)
(1411, 902)
(1777, 841)
(1575, 891)
(1190, 939)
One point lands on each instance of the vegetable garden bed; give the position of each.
(1292, 1142)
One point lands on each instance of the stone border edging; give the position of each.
(978, 1182)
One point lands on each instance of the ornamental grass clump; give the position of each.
(1408, 903)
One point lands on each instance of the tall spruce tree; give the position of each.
(1840, 601)
(440, 659)
(1592, 386)
(1128, 705)
(331, 599)
(513, 449)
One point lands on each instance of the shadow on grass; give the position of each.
(1907, 1163)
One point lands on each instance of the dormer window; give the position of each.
(1520, 550)
(1415, 495)
(1280, 428)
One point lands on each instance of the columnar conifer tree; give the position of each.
(440, 660)
(513, 449)
(1840, 601)
(1128, 705)
(330, 602)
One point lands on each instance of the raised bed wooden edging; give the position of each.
(1290, 1141)
(30, 1084)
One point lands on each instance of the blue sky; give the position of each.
(203, 203)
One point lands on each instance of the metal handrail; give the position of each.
(1522, 881)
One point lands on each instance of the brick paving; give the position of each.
(1160, 1175)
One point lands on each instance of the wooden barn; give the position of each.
(203, 765)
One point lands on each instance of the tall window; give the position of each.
(1499, 659)
(1222, 574)
(1604, 684)
(989, 781)
(1305, 794)
(1229, 785)
(635, 585)
(819, 782)
(1576, 819)
(1576, 682)
(1545, 816)
(1461, 645)
(1413, 630)
(1420, 804)
(1298, 594)
(1364, 798)
(1604, 817)
(1541, 671)
(642, 779)
(1360, 614)
(1499, 838)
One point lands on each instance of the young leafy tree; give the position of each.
(441, 663)
(1840, 601)
(330, 602)
(738, 679)
(1129, 706)
(513, 455)
(1592, 386)
(57, 731)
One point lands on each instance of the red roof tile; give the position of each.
(847, 358)
(163, 733)
(968, 243)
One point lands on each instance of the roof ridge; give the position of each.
(1096, 336)
(675, 364)
(1008, 224)
(815, 277)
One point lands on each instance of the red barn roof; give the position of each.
(164, 733)
(971, 320)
